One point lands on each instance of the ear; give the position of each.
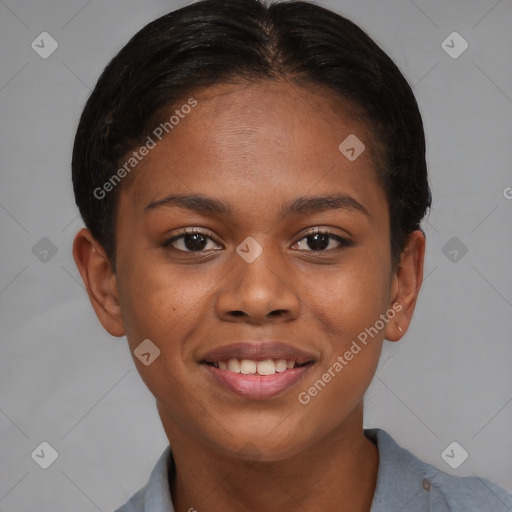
(100, 281)
(406, 285)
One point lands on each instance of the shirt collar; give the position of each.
(403, 482)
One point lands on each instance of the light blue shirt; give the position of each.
(404, 484)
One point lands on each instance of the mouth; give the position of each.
(257, 370)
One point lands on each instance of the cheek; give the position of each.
(157, 300)
(163, 306)
(347, 312)
(351, 297)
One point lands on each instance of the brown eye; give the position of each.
(318, 241)
(322, 241)
(194, 241)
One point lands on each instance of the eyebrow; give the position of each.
(300, 206)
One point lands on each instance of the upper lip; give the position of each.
(258, 351)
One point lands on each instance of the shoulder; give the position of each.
(409, 484)
(135, 503)
(155, 496)
(472, 493)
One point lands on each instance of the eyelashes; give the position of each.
(194, 238)
(198, 241)
(320, 236)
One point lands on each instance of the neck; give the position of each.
(337, 473)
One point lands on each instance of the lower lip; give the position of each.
(258, 387)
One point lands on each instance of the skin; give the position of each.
(257, 147)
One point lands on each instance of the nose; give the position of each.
(259, 292)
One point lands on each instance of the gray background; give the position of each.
(67, 382)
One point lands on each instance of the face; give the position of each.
(283, 253)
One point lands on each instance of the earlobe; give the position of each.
(406, 284)
(100, 281)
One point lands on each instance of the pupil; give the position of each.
(194, 241)
(318, 241)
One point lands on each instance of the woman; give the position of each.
(253, 180)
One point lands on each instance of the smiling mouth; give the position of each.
(257, 367)
(257, 379)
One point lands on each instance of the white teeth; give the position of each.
(234, 365)
(251, 367)
(247, 366)
(281, 365)
(266, 367)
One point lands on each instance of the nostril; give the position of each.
(277, 312)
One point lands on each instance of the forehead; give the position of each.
(260, 137)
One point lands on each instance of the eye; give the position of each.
(192, 240)
(322, 241)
